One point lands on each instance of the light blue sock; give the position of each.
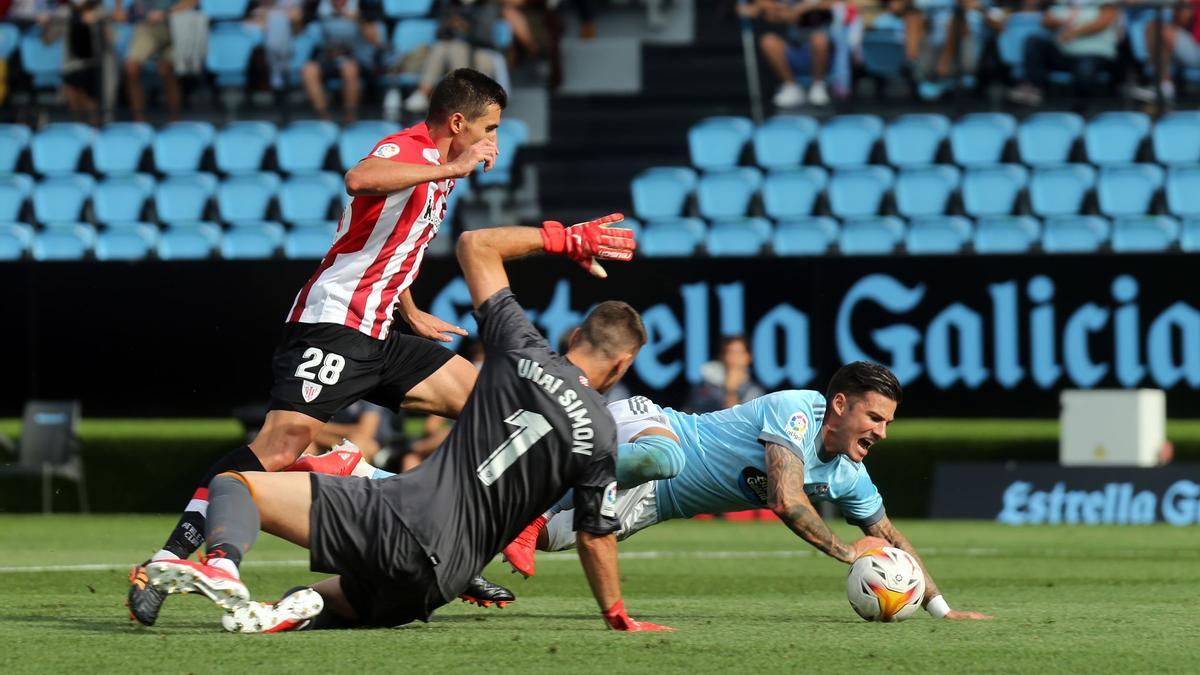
(380, 473)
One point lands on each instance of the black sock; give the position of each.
(188, 535)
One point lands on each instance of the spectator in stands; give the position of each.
(151, 38)
(794, 35)
(941, 42)
(1084, 43)
(537, 29)
(85, 49)
(1181, 40)
(25, 13)
(464, 40)
(347, 35)
(364, 424)
(726, 382)
(281, 21)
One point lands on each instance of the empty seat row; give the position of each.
(301, 199)
(928, 235)
(181, 148)
(139, 241)
(976, 139)
(1133, 189)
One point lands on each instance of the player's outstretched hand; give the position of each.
(484, 151)
(429, 326)
(617, 619)
(586, 242)
(962, 615)
(869, 544)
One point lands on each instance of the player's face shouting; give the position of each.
(865, 423)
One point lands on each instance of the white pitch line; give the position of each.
(557, 556)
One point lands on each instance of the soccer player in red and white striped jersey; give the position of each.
(339, 342)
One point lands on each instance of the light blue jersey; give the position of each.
(726, 468)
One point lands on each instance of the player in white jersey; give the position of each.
(338, 345)
(782, 451)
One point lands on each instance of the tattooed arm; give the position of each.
(884, 529)
(785, 496)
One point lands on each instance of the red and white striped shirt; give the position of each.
(380, 242)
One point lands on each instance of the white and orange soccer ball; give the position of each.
(885, 584)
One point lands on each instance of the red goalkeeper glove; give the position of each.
(585, 242)
(618, 620)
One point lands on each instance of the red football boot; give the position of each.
(520, 552)
(340, 461)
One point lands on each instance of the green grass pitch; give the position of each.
(744, 598)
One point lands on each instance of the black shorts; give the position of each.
(321, 368)
(387, 576)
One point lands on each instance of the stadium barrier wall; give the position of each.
(968, 336)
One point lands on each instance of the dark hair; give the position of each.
(614, 327)
(464, 91)
(861, 377)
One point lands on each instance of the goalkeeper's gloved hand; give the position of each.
(618, 620)
(585, 242)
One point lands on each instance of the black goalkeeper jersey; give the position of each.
(531, 429)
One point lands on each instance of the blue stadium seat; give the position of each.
(126, 243)
(780, 143)
(1144, 234)
(189, 242)
(1115, 137)
(716, 142)
(14, 190)
(42, 61)
(119, 147)
(883, 50)
(1005, 235)
(1183, 186)
(858, 192)
(357, 140)
(1189, 236)
(1128, 190)
(938, 235)
(1060, 190)
(121, 198)
(230, 46)
(246, 198)
(925, 191)
(847, 140)
(223, 10)
(180, 147)
(308, 243)
(10, 39)
(1176, 138)
(662, 192)
(1019, 27)
(309, 197)
(727, 194)
(739, 237)
(241, 146)
(64, 242)
(1046, 139)
(303, 146)
(870, 236)
(979, 139)
(993, 191)
(502, 35)
(58, 147)
(402, 9)
(913, 140)
(15, 239)
(793, 194)
(252, 241)
(672, 238)
(183, 199)
(61, 198)
(14, 138)
(804, 236)
(1074, 234)
(410, 34)
(509, 138)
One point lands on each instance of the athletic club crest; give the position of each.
(310, 391)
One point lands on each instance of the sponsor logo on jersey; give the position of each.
(797, 425)
(432, 155)
(310, 391)
(585, 382)
(754, 485)
(608, 508)
(387, 150)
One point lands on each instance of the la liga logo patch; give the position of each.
(387, 150)
(796, 427)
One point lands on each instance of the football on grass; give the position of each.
(885, 584)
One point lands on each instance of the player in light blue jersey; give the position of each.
(783, 451)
